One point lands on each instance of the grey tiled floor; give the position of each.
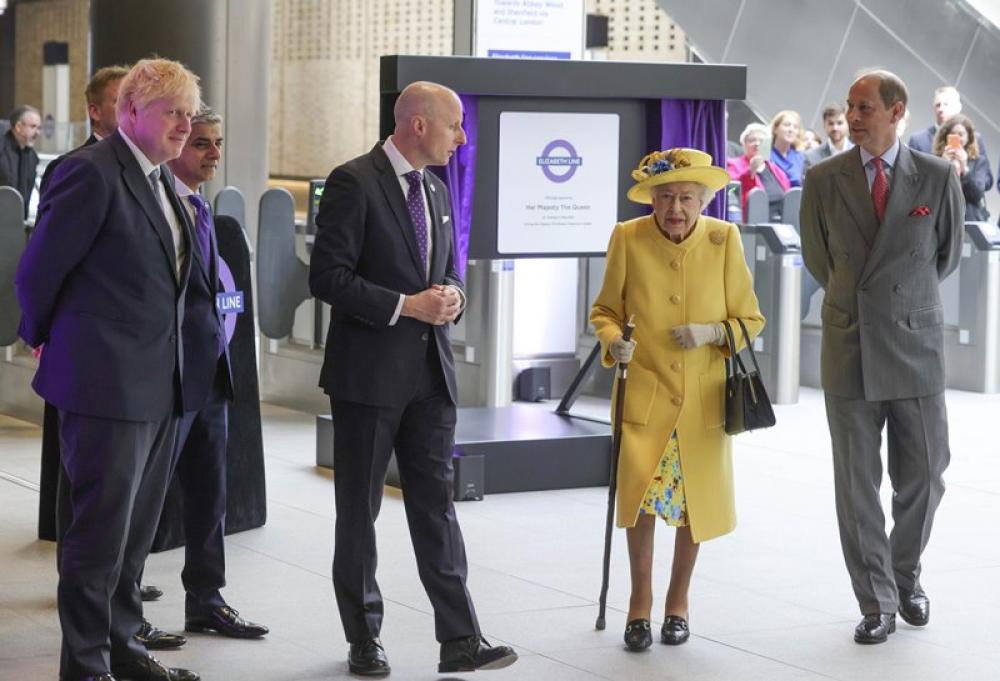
(770, 601)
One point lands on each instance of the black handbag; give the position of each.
(747, 405)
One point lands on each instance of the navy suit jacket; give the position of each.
(97, 285)
(203, 326)
(365, 255)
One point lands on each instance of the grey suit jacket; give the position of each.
(882, 318)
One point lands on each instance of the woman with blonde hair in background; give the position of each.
(787, 142)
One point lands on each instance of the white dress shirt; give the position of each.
(180, 246)
(888, 163)
(400, 166)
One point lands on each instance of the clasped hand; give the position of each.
(690, 336)
(436, 305)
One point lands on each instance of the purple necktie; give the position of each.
(203, 231)
(202, 226)
(415, 204)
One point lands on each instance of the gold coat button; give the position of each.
(675, 264)
(675, 299)
(676, 366)
(677, 401)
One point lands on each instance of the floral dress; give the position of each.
(665, 495)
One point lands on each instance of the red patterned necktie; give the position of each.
(880, 190)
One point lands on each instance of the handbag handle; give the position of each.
(733, 362)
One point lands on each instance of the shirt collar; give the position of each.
(400, 165)
(848, 145)
(182, 189)
(144, 163)
(889, 157)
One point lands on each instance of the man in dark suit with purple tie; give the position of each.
(384, 260)
(200, 455)
(101, 286)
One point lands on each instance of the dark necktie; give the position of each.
(154, 184)
(880, 190)
(415, 204)
(202, 226)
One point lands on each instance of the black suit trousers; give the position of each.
(117, 473)
(422, 433)
(200, 467)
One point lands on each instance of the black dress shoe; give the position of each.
(875, 628)
(368, 658)
(674, 631)
(470, 653)
(149, 669)
(150, 593)
(226, 621)
(638, 635)
(99, 677)
(157, 639)
(914, 607)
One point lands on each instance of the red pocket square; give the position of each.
(920, 211)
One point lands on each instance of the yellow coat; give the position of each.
(700, 280)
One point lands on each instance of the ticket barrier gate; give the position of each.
(972, 339)
(774, 256)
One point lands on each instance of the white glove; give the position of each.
(691, 336)
(621, 350)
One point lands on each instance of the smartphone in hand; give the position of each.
(954, 141)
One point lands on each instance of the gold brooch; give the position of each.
(718, 237)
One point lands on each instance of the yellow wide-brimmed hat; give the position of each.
(675, 165)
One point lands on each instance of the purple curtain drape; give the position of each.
(697, 124)
(460, 177)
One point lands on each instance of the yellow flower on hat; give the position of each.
(675, 165)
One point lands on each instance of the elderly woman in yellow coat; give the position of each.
(681, 274)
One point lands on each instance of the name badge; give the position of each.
(229, 302)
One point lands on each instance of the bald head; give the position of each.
(428, 123)
(422, 98)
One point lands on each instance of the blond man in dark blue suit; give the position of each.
(101, 286)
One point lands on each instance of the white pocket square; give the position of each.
(445, 220)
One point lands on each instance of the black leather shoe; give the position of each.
(368, 658)
(149, 669)
(875, 628)
(638, 635)
(99, 677)
(674, 631)
(226, 621)
(157, 639)
(150, 593)
(914, 607)
(473, 652)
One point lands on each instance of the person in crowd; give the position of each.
(811, 140)
(786, 145)
(101, 94)
(947, 103)
(200, 454)
(681, 274)
(972, 169)
(384, 259)
(881, 226)
(835, 125)
(755, 170)
(110, 232)
(18, 158)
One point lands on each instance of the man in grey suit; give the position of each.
(835, 126)
(881, 226)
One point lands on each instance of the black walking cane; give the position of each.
(616, 448)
